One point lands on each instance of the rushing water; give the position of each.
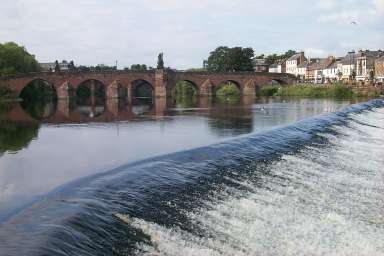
(306, 178)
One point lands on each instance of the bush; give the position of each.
(335, 91)
(268, 90)
(229, 89)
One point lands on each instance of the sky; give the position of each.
(92, 32)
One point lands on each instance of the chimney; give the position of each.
(302, 57)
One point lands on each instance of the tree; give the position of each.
(274, 58)
(57, 66)
(15, 59)
(71, 66)
(160, 61)
(138, 67)
(339, 74)
(103, 67)
(225, 59)
(371, 75)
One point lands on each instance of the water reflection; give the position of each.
(39, 109)
(41, 148)
(15, 136)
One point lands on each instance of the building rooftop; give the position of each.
(368, 53)
(275, 65)
(305, 64)
(294, 57)
(349, 59)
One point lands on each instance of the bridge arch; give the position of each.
(141, 89)
(90, 88)
(116, 90)
(185, 87)
(234, 87)
(38, 88)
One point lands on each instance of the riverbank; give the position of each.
(321, 91)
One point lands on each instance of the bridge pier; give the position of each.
(206, 89)
(113, 90)
(160, 84)
(249, 88)
(112, 105)
(63, 91)
(93, 97)
(63, 106)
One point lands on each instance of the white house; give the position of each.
(302, 70)
(348, 65)
(331, 72)
(294, 61)
(274, 68)
(365, 64)
(50, 66)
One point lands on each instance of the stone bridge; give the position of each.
(162, 82)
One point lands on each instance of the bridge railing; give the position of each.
(74, 72)
(80, 72)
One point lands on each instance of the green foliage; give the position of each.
(186, 102)
(83, 91)
(184, 89)
(6, 106)
(273, 58)
(15, 59)
(139, 67)
(6, 93)
(38, 90)
(225, 59)
(38, 109)
(335, 91)
(228, 99)
(268, 90)
(103, 67)
(229, 89)
(16, 136)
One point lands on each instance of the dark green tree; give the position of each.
(225, 59)
(138, 67)
(15, 59)
(71, 66)
(160, 61)
(57, 66)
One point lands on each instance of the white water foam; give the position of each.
(321, 201)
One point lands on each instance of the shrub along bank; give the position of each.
(313, 91)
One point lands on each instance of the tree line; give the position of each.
(235, 59)
(16, 59)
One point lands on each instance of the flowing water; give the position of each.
(304, 178)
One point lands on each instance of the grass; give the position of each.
(316, 91)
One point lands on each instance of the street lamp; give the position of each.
(351, 53)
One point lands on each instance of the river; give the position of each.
(242, 177)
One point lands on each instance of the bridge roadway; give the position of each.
(162, 82)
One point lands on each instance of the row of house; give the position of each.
(360, 66)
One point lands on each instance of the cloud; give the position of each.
(96, 31)
(326, 4)
(346, 11)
